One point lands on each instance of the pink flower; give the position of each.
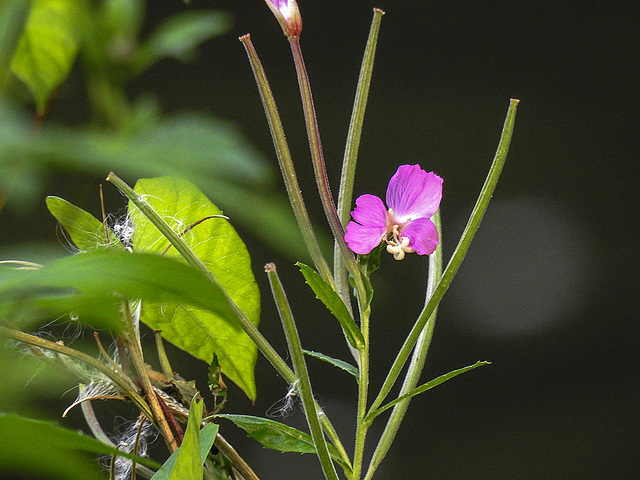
(413, 196)
(288, 15)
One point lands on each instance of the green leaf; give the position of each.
(334, 303)
(188, 463)
(85, 230)
(207, 437)
(347, 367)
(13, 19)
(216, 243)
(104, 276)
(21, 450)
(181, 34)
(278, 436)
(48, 47)
(424, 387)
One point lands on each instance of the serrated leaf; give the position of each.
(334, 303)
(48, 47)
(102, 277)
(85, 230)
(347, 367)
(278, 436)
(63, 456)
(218, 246)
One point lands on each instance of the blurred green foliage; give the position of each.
(106, 44)
(129, 136)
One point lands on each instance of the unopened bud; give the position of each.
(288, 15)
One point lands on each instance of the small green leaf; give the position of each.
(62, 457)
(181, 34)
(188, 464)
(48, 47)
(424, 387)
(334, 303)
(216, 243)
(347, 367)
(278, 436)
(86, 231)
(207, 437)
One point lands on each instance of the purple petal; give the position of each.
(414, 193)
(422, 235)
(370, 212)
(369, 225)
(363, 239)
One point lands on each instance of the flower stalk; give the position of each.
(320, 171)
(418, 360)
(458, 255)
(286, 163)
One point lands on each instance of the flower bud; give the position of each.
(288, 15)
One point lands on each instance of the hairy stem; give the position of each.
(135, 351)
(286, 163)
(302, 374)
(124, 383)
(417, 360)
(320, 170)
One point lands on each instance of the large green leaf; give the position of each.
(217, 244)
(13, 19)
(85, 230)
(102, 277)
(278, 436)
(35, 447)
(48, 47)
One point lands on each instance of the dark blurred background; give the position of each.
(546, 292)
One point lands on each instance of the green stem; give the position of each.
(124, 384)
(238, 462)
(135, 352)
(302, 374)
(417, 360)
(458, 255)
(320, 171)
(363, 391)
(286, 163)
(347, 178)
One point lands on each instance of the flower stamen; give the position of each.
(399, 245)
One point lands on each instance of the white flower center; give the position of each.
(398, 246)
